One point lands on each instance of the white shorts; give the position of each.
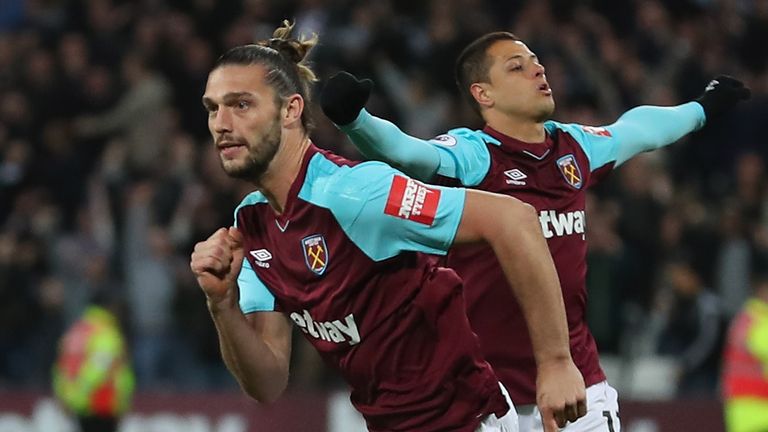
(602, 413)
(507, 423)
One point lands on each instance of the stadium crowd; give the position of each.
(108, 176)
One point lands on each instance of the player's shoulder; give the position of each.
(553, 127)
(464, 137)
(253, 198)
(329, 183)
(578, 131)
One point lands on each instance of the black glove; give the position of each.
(343, 96)
(722, 94)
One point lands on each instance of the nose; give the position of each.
(538, 69)
(222, 121)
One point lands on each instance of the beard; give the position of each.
(259, 156)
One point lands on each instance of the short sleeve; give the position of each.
(384, 212)
(464, 155)
(254, 295)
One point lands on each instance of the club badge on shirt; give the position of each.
(570, 170)
(412, 200)
(315, 253)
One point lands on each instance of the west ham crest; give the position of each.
(315, 253)
(570, 170)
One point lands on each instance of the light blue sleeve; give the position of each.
(382, 140)
(254, 295)
(460, 154)
(464, 155)
(640, 129)
(383, 211)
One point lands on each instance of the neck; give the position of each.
(276, 181)
(526, 130)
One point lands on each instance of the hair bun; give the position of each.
(288, 48)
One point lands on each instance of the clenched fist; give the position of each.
(216, 263)
(560, 394)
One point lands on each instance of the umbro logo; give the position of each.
(515, 177)
(261, 256)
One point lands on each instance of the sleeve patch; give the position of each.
(444, 140)
(599, 131)
(412, 200)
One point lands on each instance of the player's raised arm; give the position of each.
(342, 100)
(256, 348)
(648, 127)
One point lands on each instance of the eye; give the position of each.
(243, 105)
(516, 68)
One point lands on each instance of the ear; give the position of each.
(482, 94)
(292, 109)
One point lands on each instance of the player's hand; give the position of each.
(216, 263)
(722, 94)
(560, 394)
(343, 96)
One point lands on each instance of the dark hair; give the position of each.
(473, 63)
(284, 57)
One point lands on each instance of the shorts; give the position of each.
(602, 413)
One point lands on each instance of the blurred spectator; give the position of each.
(150, 286)
(638, 224)
(604, 309)
(422, 106)
(693, 327)
(734, 261)
(745, 368)
(140, 116)
(92, 376)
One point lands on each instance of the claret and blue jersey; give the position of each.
(552, 176)
(346, 261)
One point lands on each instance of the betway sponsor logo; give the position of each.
(331, 331)
(412, 200)
(561, 224)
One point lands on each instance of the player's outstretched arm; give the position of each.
(646, 128)
(343, 99)
(512, 229)
(256, 348)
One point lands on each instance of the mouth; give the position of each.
(544, 89)
(229, 149)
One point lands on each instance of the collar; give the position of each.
(537, 151)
